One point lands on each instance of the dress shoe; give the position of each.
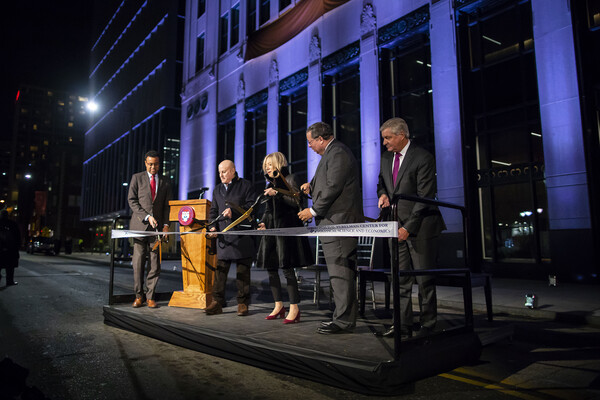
(152, 304)
(292, 321)
(424, 332)
(13, 283)
(326, 323)
(404, 333)
(280, 314)
(214, 308)
(333, 329)
(242, 310)
(138, 302)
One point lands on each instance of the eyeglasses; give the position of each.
(310, 142)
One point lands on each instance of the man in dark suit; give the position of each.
(238, 249)
(410, 170)
(149, 195)
(337, 199)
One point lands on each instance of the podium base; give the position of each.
(190, 300)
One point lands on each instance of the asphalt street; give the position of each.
(52, 325)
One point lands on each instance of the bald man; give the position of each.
(238, 249)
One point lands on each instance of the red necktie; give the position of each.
(396, 167)
(153, 186)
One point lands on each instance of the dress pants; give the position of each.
(340, 256)
(418, 255)
(141, 251)
(242, 280)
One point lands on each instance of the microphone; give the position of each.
(202, 190)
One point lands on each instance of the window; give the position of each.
(201, 7)
(265, 11)
(406, 88)
(235, 25)
(283, 4)
(341, 106)
(200, 52)
(226, 135)
(250, 17)
(255, 139)
(502, 125)
(223, 28)
(292, 131)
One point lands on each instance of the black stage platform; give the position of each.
(360, 361)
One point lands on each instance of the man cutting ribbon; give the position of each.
(230, 248)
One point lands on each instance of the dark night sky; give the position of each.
(44, 43)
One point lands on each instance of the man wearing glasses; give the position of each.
(337, 199)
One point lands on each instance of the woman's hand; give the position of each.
(270, 192)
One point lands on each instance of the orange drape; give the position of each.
(287, 26)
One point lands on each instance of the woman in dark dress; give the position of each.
(286, 252)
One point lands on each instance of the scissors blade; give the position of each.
(239, 220)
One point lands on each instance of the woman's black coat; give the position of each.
(281, 212)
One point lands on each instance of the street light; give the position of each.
(92, 106)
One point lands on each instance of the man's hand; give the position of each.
(152, 221)
(270, 192)
(403, 234)
(227, 213)
(212, 235)
(261, 226)
(305, 215)
(384, 201)
(305, 188)
(165, 238)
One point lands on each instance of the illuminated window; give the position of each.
(34, 127)
(70, 138)
(70, 124)
(33, 148)
(45, 143)
(61, 103)
(50, 94)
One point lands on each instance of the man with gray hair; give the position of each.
(410, 170)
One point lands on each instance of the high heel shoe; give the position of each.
(292, 321)
(280, 314)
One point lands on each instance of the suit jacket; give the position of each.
(335, 188)
(240, 192)
(416, 177)
(141, 204)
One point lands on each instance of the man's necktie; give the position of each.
(396, 167)
(153, 186)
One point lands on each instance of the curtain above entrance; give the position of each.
(284, 28)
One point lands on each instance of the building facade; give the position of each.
(135, 78)
(44, 174)
(505, 93)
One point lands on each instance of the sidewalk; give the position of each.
(566, 302)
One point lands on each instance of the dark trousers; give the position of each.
(292, 284)
(10, 274)
(340, 255)
(242, 280)
(142, 249)
(418, 255)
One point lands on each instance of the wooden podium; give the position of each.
(197, 264)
